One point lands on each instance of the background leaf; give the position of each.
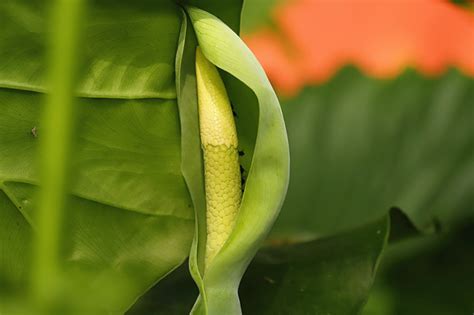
(416, 270)
(328, 276)
(361, 146)
(257, 13)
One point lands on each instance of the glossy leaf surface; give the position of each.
(131, 215)
(128, 48)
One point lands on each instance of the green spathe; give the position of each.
(267, 178)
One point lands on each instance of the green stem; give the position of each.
(55, 146)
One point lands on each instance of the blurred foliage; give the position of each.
(327, 276)
(427, 275)
(360, 146)
(463, 3)
(257, 13)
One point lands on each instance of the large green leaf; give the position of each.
(129, 221)
(14, 249)
(360, 146)
(128, 151)
(129, 47)
(327, 276)
(132, 216)
(415, 271)
(104, 247)
(266, 158)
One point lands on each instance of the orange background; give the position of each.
(314, 38)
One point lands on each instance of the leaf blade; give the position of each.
(128, 48)
(404, 143)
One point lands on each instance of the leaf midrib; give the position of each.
(30, 221)
(34, 89)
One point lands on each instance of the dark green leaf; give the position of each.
(430, 275)
(361, 146)
(328, 276)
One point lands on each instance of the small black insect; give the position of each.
(243, 177)
(233, 111)
(241, 153)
